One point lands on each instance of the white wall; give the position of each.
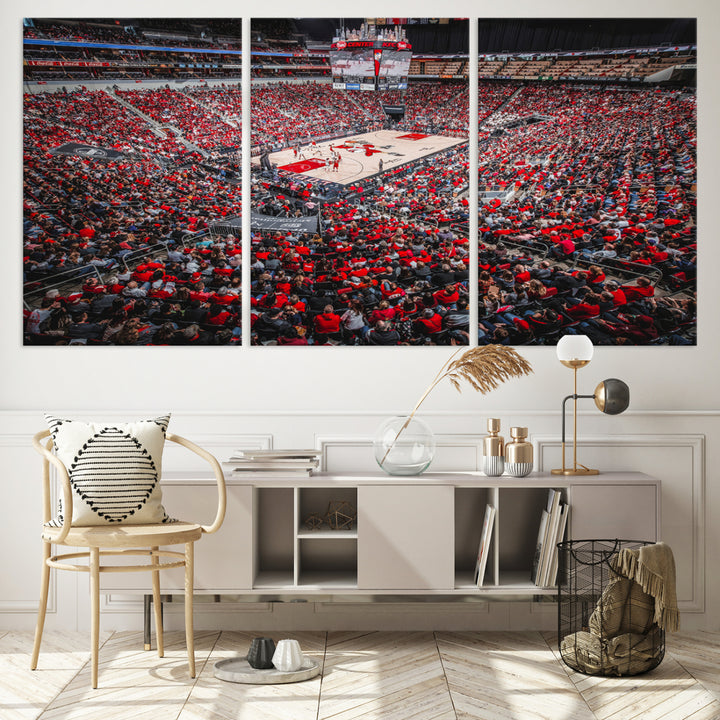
(674, 390)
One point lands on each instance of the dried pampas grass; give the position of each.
(483, 368)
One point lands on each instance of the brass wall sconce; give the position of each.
(611, 396)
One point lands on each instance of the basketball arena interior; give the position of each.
(371, 218)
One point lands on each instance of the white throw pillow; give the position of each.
(114, 470)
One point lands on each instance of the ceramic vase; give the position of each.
(518, 453)
(493, 450)
(260, 654)
(288, 657)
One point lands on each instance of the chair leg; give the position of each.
(189, 582)
(42, 607)
(94, 611)
(157, 604)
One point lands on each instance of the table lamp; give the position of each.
(611, 396)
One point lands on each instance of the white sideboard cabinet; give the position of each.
(409, 535)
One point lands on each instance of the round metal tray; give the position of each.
(238, 670)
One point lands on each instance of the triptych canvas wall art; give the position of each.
(370, 222)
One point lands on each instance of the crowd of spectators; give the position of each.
(198, 124)
(120, 251)
(284, 114)
(368, 277)
(389, 263)
(588, 218)
(132, 50)
(587, 224)
(151, 31)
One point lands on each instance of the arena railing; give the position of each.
(626, 268)
(67, 280)
(143, 253)
(462, 228)
(537, 248)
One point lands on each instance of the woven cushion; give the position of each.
(114, 470)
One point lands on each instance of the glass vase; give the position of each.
(404, 446)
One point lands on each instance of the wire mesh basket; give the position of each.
(605, 620)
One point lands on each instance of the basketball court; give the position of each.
(360, 155)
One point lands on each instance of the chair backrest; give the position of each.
(49, 458)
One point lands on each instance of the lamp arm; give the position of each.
(574, 396)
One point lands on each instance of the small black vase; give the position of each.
(261, 653)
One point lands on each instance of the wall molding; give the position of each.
(37, 415)
(696, 444)
(446, 441)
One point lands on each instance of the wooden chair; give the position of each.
(115, 540)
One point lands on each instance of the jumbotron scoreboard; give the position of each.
(370, 64)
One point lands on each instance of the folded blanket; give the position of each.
(626, 654)
(624, 607)
(653, 568)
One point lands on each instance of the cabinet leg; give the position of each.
(147, 601)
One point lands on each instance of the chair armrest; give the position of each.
(219, 477)
(50, 458)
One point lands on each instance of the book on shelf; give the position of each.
(288, 454)
(552, 526)
(270, 464)
(544, 517)
(552, 577)
(272, 472)
(273, 463)
(484, 548)
(553, 510)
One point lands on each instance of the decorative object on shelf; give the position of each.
(611, 396)
(483, 368)
(404, 446)
(340, 515)
(261, 652)
(518, 453)
(288, 657)
(314, 521)
(493, 450)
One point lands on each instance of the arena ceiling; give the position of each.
(500, 35)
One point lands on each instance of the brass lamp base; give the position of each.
(575, 471)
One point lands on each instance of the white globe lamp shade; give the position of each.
(574, 351)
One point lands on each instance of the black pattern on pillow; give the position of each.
(114, 470)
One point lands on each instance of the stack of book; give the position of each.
(273, 463)
(552, 530)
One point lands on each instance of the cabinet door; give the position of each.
(626, 512)
(405, 537)
(223, 561)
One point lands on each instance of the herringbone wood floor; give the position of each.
(366, 676)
